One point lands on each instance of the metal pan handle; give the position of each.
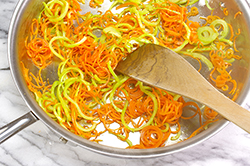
(17, 125)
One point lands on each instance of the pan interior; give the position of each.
(20, 27)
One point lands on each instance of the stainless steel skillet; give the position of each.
(19, 27)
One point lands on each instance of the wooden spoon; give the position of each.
(160, 67)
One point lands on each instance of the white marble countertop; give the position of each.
(37, 145)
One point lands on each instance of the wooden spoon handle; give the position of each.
(228, 109)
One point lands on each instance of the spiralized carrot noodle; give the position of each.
(90, 99)
(209, 113)
(225, 11)
(237, 14)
